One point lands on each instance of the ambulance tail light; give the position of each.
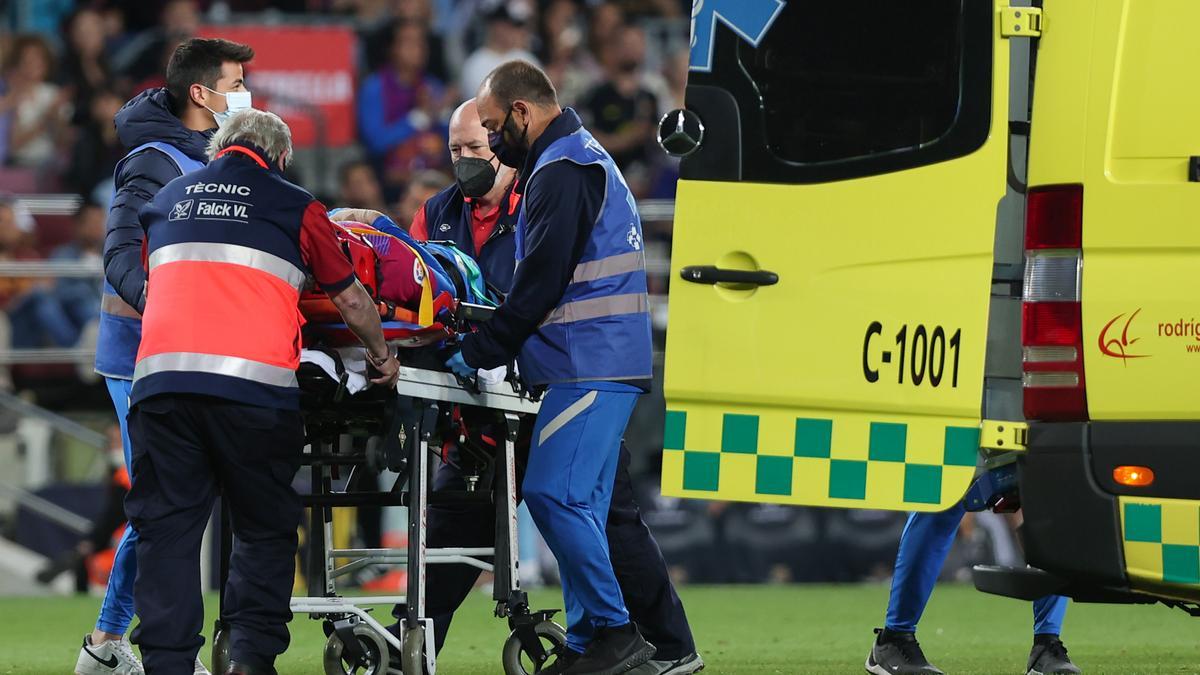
(1051, 316)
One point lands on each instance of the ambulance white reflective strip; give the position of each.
(598, 308)
(215, 364)
(231, 254)
(622, 263)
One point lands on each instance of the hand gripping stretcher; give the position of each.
(353, 436)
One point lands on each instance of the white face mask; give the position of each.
(234, 101)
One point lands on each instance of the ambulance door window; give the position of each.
(852, 88)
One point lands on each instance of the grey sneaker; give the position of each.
(1049, 657)
(896, 653)
(692, 663)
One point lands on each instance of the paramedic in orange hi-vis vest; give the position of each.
(215, 399)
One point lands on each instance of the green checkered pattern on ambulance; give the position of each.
(892, 465)
(1162, 540)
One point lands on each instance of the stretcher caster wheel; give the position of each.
(220, 650)
(372, 661)
(518, 661)
(412, 658)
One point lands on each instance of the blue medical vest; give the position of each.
(117, 342)
(600, 329)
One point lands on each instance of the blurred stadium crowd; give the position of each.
(67, 67)
(369, 115)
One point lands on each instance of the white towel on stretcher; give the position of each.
(354, 360)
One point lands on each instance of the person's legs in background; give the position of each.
(451, 525)
(116, 612)
(107, 639)
(1048, 615)
(642, 573)
(924, 545)
(1048, 654)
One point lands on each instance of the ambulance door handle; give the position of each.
(710, 274)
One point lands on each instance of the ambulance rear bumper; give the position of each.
(1072, 522)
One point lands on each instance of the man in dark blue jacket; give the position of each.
(578, 321)
(479, 213)
(166, 131)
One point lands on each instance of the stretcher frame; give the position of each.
(347, 617)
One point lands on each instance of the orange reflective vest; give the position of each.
(225, 276)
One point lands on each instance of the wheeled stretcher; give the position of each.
(354, 436)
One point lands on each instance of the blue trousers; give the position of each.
(568, 488)
(924, 546)
(116, 612)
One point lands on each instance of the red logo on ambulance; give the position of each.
(1118, 346)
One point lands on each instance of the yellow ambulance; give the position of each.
(909, 232)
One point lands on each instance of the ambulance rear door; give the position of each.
(832, 254)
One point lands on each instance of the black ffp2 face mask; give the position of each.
(475, 176)
(510, 153)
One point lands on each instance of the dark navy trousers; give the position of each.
(186, 448)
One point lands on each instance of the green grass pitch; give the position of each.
(783, 630)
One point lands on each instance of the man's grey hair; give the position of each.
(259, 128)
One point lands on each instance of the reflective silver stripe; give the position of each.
(199, 251)
(596, 308)
(611, 266)
(215, 364)
(113, 304)
(561, 419)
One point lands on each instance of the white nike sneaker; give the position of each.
(200, 669)
(111, 657)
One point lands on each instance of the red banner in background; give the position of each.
(304, 74)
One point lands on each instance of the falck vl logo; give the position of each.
(634, 238)
(1117, 345)
(181, 211)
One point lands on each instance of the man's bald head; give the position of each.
(468, 138)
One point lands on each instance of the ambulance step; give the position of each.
(1025, 583)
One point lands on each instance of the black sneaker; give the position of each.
(896, 653)
(613, 650)
(1049, 656)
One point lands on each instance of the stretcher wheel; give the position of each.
(412, 658)
(519, 662)
(375, 654)
(220, 651)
